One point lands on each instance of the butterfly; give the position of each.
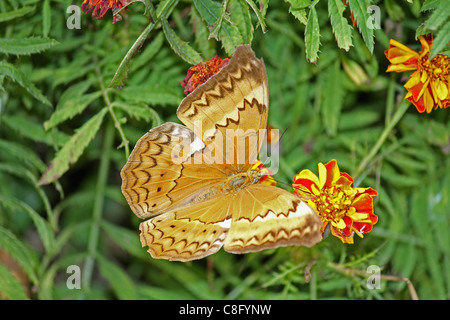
(194, 183)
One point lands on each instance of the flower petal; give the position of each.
(332, 173)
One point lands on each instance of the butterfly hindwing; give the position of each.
(188, 233)
(267, 217)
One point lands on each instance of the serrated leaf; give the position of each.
(18, 76)
(73, 149)
(10, 287)
(298, 9)
(229, 35)
(441, 40)
(341, 29)
(240, 15)
(70, 108)
(359, 10)
(139, 112)
(182, 48)
(300, 14)
(429, 5)
(10, 15)
(119, 280)
(259, 14)
(312, 36)
(439, 16)
(26, 46)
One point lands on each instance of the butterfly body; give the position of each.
(197, 207)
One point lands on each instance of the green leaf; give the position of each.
(206, 46)
(23, 154)
(394, 10)
(359, 10)
(439, 16)
(240, 15)
(259, 15)
(73, 149)
(18, 76)
(229, 35)
(119, 280)
(21, 253)
(34, 131)
(26, 46)
(70, 108)
(182, 48)
(10, 287)
(10, 15)
(312, 36)
(150, 51)
(299, 4)
(341, 29)
(429, 5)
(152, 95)
(139, 112)
(441, 40)
(122, 71)
(124, 238)
(298, 9)
(42, 226)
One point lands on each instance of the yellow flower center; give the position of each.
(333, 204)
(436, 68)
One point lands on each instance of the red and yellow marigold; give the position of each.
(339, 204)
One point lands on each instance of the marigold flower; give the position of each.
(429, 85)
(266, 177)
(199, 73)
(338, 203)
(100, 8)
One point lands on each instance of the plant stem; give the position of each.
(386, 132)
(125, 143)
(98, 205)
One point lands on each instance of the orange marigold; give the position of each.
(199, 73)
(429, 86)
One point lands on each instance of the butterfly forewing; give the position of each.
(161, 172)
(229, 110)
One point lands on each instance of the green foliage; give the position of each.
(73, 103)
